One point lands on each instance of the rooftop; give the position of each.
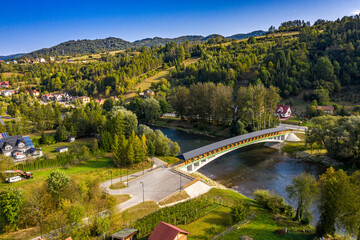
(125, 232)
(166, 231)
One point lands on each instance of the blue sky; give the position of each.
(30, 25)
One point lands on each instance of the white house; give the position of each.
(284, 111)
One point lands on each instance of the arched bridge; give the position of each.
(197, 158)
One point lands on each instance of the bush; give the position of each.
(273, 202)
(239, 212)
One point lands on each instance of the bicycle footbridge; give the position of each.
(197, 158)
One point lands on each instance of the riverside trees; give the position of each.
(340, 136)
(254, 105)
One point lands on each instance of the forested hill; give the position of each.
(111, 44)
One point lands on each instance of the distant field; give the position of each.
(146, 83)
(260, 37)
(10, 74)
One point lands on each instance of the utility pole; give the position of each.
(40, 227)
(143, 191)
(127, 175)
(111, 177)
(143, 166)
(180, 182)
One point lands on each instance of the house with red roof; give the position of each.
(326, 109)
(166, 231)
(4, 84)
(283, 111)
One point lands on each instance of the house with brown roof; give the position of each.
(283, 111)
(326, 109)
(166, 231)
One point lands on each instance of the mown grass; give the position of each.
(261, 227)
(101, 168)
(51, 149)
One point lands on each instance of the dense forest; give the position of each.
(111, 44)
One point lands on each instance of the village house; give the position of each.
(84, 99)
(166, 231)
(62, 149)
(147, 93)
(283, 111)
(4, 84)
(42, 60)
(326, 109)
(36, 93)
(52, 59)
(17, 146)
(100, 101)
(6, 93)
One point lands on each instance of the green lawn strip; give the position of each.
(170, 160)
(101, 168)
(209, 225)
(51, 149)
(263, 227)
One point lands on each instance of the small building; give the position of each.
(84, 99)
(71, 138)
(326, 109)
(166, 231)
(34, 152)
(52, 59)
(4, 84)
(125, 234)
(283, 111)
(36, 93)
(42, 60)
(62, 149)
(100, 101)
(6, 93)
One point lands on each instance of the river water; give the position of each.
(249, 168)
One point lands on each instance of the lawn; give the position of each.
(261, 227)
(50, 149)
(101, 168)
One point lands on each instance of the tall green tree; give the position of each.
(304, 191)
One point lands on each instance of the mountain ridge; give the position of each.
(87, 46)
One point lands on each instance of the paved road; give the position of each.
(158, 184)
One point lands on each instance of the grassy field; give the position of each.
(261, 227)
(51, 149)
(101, 168)
(264, 36)
(11, 74)
(146, 83)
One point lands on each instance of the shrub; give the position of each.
(273, 202)
(239, 212)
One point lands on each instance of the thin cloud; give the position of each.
(356, 12)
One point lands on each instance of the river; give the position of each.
(249, 168)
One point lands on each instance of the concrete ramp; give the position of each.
(197, 189)
(292, 138)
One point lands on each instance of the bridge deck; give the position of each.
(216, 145)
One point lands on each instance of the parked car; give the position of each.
(14, 179)
(26, 175)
